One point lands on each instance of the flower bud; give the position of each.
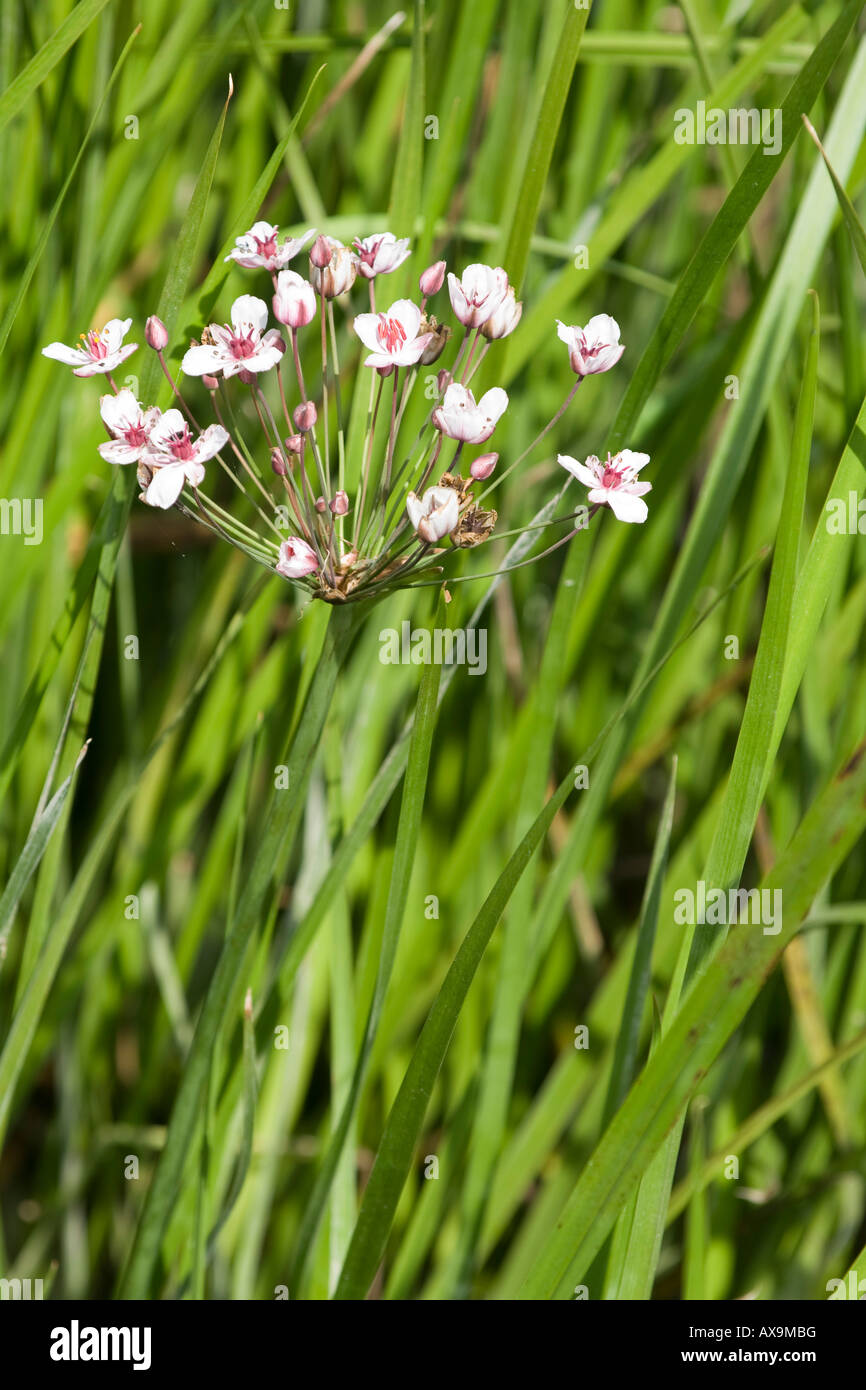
(210, 383)
(320, 253)
(505, 319)
(278, 463)
(155, 333)
(305, 416)
(294, 303)
(295, 443)
(338, 273)
(321, 505)
(340, 504)
(432, 278)
(443, 381)
(248, 378)
(483, 466)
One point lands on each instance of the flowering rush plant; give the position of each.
(340, 528)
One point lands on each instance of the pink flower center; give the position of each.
(391, 333)
(136, 435)
(612, 476)
(268, 248)
(94, 344)
(180, 445)
(242, 345)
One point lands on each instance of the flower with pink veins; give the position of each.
(478, 293)
(243, 345)
(461, 418)
(259, 248)
(613, 484)
(595, 348)
(380, 254)
(392, 337)
(129, 424)
(99, 352)
(296, 558)
(434, 515)
(173, 458)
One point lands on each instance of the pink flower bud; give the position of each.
(340, 504)
(337, 274)
(296, 559)
(443, 381)
(483, 466)
(295, 443)
(278, 463)
(295, 300)
(210, 383)
(248, 378)
(305, 416)
(320, 254)
(155, 333)
(321, 505)
(432, 279)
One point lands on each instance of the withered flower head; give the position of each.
(475, 526)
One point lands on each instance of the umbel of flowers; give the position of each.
(411, 504)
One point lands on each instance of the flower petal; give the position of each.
(625, 506)
(249, 309)
(202, 360)
(165, 486)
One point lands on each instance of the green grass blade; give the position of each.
(19, 91)
(718, 1001)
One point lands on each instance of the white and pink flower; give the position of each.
(393, 337)
(380, 254)
(434, 515)
(478, 293)
(296, 558)
(294, 301)
(613, 484)
(333, 267)
(99, 352)
(172, 457)
(244, 345)
(505, 319)
(461, 418)
(595, 348)
(258, 248)
(129, 424)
